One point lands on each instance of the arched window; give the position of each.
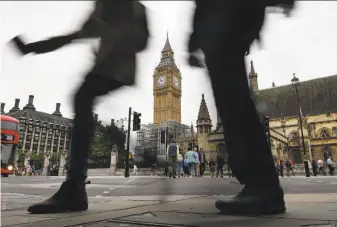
(293, 135)
(325, 134)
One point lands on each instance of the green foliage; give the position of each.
(20, 152)
(98, 148)
(37, 157)
(105, 138)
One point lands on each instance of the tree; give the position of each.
(98, 148)
(114, 136)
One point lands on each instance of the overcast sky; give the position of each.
(305, 43)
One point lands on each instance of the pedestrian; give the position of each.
(153, 169)
(219, 163)
(197, 161)
(186, 170)
(180, 164)
(191, 157)
(330, 165)
(135, 169)
(203, 161)
(172, 158)
(211, 166)
(314, 167)
(123, 31)
(224, 31)
(320, 165)
(289, 167)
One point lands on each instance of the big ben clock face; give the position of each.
(161, 81)
(175, 82)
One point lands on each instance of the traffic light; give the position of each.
(162, 136)
(136, 121)
(266, 123)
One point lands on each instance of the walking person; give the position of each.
(180, 164)
(314, 167)
(203, 161)
(320, 165)
(219, 163)
(330, 165)
(289, 167)
(224, 31)
(153, 168)
(211, 166)
(122, 27)
(191, 157)
(135, 169)
(197, 161)
(172, 158)
(186, 168)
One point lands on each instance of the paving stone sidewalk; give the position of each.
(179, 211)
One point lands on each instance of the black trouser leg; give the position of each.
(83, 129)
(249, 154)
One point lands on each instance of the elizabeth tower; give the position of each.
(166, 88)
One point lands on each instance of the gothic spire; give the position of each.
(192, 129)
(167, 46)
(203, 110)
(252, 70)
(167, 55)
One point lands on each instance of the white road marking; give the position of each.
(122, 185)
(319, 181)
(118, 186)
(99, 196)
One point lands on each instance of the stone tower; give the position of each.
(204, 125)
(166, 88)
(254, 86)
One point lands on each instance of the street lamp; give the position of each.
(295, 82)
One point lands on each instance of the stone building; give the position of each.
(211, 141)
(318, 101)
(41, 132)
(167, 93)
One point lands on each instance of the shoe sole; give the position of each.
(54, 210)
(251, 211)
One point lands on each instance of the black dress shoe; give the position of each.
(70, 197)
(254, 202)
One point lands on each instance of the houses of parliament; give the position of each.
(42, 132)
(317, 97)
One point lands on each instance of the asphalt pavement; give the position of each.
(15, 189)
(145, 186)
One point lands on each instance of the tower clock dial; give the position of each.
(175, 82)
(161, 81)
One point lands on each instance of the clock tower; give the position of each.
(166, 88)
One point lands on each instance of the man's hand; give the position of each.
(195, 62)
(17, 41)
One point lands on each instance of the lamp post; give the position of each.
(295, 82)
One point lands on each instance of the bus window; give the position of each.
(5, 137)
(9, 125)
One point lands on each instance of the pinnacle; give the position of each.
(203, 110)
(167, 46)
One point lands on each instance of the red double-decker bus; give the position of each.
(9, 142)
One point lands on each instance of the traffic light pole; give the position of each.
(165, 149)
(127, 169)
